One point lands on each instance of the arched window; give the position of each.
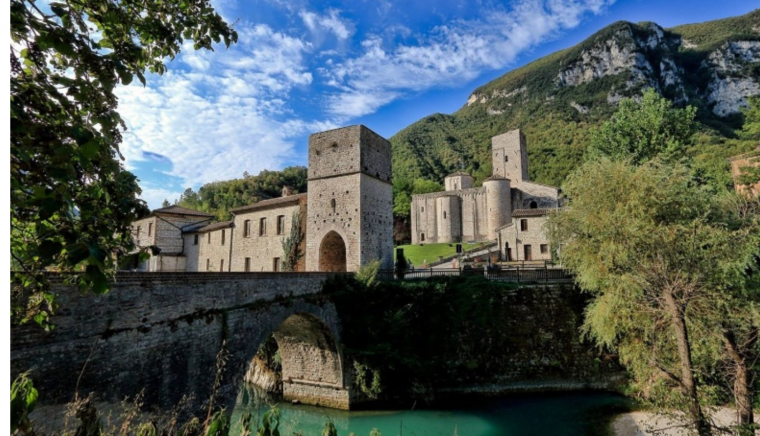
(533, 204)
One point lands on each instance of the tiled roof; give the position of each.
(531, 212)
(179, 210)
(270, 203)
(210, 227)
(458, 173)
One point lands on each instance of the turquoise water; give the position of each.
(576, 414)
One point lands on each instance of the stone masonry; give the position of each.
(347, 216)
(463, 213)
(163, 331)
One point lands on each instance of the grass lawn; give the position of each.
(430, 252)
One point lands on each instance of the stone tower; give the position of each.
(510, 156)
(350, 201)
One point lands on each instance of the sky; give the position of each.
(304, 66)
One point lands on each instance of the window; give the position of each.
(246, 228)
(221, 265)
(533, 204)
(523, 225)
(262, 226)
(423, 210)
(208, 264)
(544, 248)
(281, 224)
(506, 158)
(209, 238)
(195, 239)
(332, 204)
(247, 264)
(276, 264)
(137, 233)
(223, 234)
(150, 229)
(528, 252)
(444, 214)
(422, 237)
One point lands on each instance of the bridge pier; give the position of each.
(316, 394)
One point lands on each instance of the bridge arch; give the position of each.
(308, 340)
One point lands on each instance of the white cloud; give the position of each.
(329, 23)
(222, 117)
(156, 196)
(451, 54)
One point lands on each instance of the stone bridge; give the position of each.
(164, 331)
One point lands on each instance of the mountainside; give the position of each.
(558, 99)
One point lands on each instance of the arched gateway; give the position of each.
(332, 253)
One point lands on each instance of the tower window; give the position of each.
(506, 158)
(332, 204)
(444, 215)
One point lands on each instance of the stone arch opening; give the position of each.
(332, 253)
(533, 204)
(300, 360)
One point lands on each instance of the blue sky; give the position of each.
(303, 66)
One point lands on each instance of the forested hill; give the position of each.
(557, 99)
(219, 197)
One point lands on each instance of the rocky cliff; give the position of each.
(556, 100)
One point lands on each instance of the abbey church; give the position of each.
(508, 208)
(346, 218)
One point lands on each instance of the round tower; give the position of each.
(498, 203)
(449, 218)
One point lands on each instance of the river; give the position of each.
(571, 413)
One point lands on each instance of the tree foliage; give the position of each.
(71, 200)
(639, 131)
(292, 244)
(219, 197)
(647, 243)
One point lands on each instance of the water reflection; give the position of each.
(519, 415)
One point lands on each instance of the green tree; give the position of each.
(642, 130)
(751, 127)
(72, 202)
(646, 243)
(291, 246)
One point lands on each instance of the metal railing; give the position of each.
(516, 275)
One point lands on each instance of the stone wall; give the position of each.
(162, 331)
(509, 156)
(213, 250)
(350, 195)
(536, 237)
(544, 196)
(262, 249)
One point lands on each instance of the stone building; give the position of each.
(508, 208)
(346, 217)
(164, 229)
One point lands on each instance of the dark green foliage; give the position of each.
(219, 197)
(531, 98)
(291, 245)
(23, 401)
(72, 202)
(406, 337)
